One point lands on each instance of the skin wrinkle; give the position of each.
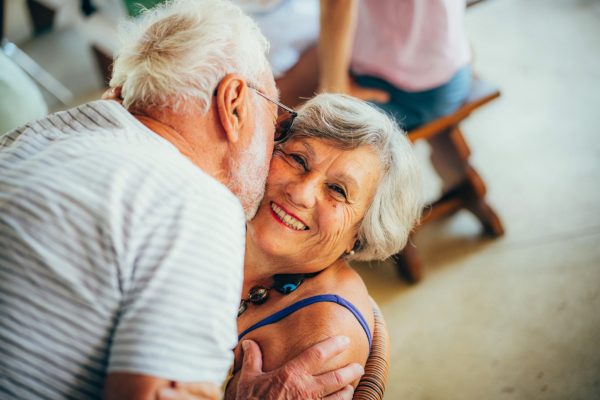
(348, 216)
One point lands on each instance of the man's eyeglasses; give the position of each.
(285, 117)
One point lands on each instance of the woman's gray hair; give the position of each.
(349, 123)
(180, 50)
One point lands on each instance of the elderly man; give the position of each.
(121, 231)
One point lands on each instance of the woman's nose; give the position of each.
(302, 192)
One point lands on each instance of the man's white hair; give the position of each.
(179, 51)
(349, 123)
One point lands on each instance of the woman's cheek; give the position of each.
(336, 217)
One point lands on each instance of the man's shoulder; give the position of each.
(98, 114)
(86, 126)
(155, 173)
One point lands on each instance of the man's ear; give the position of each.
(232, 105)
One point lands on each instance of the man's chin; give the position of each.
(251, 209)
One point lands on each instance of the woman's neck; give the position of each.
(258, 268)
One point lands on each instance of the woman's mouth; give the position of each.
(287, 219)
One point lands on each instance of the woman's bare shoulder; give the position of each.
(321, 320)
(344, 281)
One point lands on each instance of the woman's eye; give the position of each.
(300, 161)
(338, 190)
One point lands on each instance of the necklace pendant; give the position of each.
(243, 307)
(258, 295)
(287, 283)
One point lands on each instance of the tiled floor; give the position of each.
(517, 317)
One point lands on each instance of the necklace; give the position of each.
(283, 283)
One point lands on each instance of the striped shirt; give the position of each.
(117, 254)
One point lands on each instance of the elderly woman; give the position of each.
(345, 186)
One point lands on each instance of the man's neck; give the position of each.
(197, 143)
(171, 134)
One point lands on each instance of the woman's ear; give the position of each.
(232, 107)
(355, 248)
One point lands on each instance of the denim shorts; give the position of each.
(413, 109)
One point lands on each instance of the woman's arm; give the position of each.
(336, 38)
(337, 24)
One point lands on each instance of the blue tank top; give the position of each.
(333, 298)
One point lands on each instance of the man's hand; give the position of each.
(300, 378)
(113, 94)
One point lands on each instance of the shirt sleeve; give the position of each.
(180, 245)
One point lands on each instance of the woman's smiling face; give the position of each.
(316, 197)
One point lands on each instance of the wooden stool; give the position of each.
(469, 193)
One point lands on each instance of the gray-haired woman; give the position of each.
(344, 186)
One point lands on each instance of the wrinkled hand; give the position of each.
(296, 379)
(191, 391)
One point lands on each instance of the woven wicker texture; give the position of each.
(372, 384)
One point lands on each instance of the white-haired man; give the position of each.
(121, 243)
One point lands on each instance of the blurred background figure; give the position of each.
(421, 60)
(414, 54)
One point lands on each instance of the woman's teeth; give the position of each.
(288, 219)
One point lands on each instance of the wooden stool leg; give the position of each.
(473, 189)
(448, 159)
(462, 188)
(475, 202)
(408, 264)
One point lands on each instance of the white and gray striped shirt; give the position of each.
(117, 254)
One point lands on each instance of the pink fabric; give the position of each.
(413, 44)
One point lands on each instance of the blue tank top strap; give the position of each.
(333, 298)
